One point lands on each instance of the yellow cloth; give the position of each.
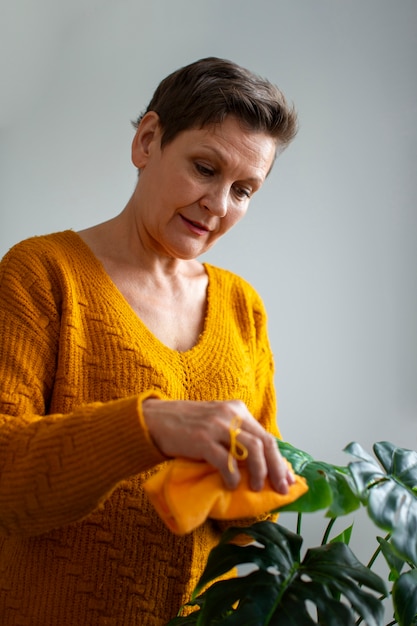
(185, 493)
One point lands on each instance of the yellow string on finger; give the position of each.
(237, 450)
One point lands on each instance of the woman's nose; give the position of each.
(216, 201)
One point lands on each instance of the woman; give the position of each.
(120, 350)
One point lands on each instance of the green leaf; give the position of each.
(329, 486)
(365, 604)
(319, 495)
(344, 536)
(337, 562)
(266, 532)
(395, 562)
(326, 574)
(258, 595)
(390, 498)
(399, 462)
(221, 597)
(355, 449)
(298, 458)
(329, 610)
(255, 594)
(404, 595)
(278, 548)
(291, 611)
(365, 472)
(281, 591)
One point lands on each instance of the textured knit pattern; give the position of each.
(80, 544)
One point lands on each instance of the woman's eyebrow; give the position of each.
(222, 158)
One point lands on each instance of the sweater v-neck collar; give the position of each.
(130, 315)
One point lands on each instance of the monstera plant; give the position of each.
(327, 584)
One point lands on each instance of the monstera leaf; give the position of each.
(282, 589)
(389, 491)
(405, 598)
(329, 486)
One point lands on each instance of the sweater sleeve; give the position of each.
(54, 469)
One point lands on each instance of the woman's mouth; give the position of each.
(196, 227)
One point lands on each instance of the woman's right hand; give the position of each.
(202, 431)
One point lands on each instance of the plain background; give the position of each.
(329, 242)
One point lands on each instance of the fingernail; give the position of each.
(283, 486)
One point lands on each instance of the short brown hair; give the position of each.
(207, 91)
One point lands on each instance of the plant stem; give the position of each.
(377, 551)
(299, 519)
(327, 531)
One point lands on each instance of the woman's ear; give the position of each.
(148, 135)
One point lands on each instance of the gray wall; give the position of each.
(330, 240)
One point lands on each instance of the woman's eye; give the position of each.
(242, 192)
(204, 169)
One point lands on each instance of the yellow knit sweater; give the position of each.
(80, 544)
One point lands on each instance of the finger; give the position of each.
(259, 447)
(220, 458)
(280, 475)
(255, 460)
(267, 454)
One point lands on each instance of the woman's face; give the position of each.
(194, 189)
